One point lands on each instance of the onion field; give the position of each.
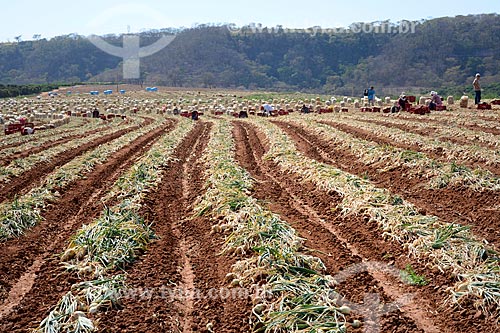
(149, 221)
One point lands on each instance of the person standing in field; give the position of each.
(371, 96)
(477, 89)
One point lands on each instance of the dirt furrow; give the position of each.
(480, 210)
(79, 203)
(32, 177)
(284, 198)
(27, 152)
(182, 272)
(450, 123)
(429, 131)
(343, 243)
(439, 156)
(35, 138)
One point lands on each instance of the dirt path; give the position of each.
(32, 177)
(480, 210)
(342, 243)
(78, 204)
(182, 269)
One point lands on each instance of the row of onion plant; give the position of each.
(99, 250)
(20, 165)
(385, 158)
(449, 247)
(451, 151)
(25, 211)
(41, 140)
(291, 288)
(439, 131)
(74, 125)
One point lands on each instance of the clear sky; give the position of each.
(56, 17)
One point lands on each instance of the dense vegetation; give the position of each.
(27, 89)
(442, 54)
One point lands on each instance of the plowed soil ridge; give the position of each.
(449, 122)
(312, 213)
(27, 152)
(32, 177)
(480, 210)
(182, 271)
(428, 132)
(79, 204)
(365, 135)
(36, 138)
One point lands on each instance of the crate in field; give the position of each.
(14, 128)
(495, 102)
(376, 109)
(484, 106)
(412, 99)
(421, 110)
(345, 110)
(440, 107)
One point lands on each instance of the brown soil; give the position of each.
(32, 138)
(79, 204)
(6, 160)
(340, 242)
(184, 261)
(22, 183)
(441, 121)
(480, 210)
(436, 154)
(429, 132)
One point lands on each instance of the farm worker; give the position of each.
(243, 114)
(435, 100)
(95, 113)
(371, 96)
(402, 101)
(268, 109)
(477, 89)
(194, 115)
(28, 130)
(304, 109)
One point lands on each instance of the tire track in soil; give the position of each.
(79, 204)
(436, 154)
(32, 177)
(183, 267)
(7, 160)
(287, 198)
(366, 237)
(479, 209)
(429, 132)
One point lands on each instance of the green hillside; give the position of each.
(442, 53)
